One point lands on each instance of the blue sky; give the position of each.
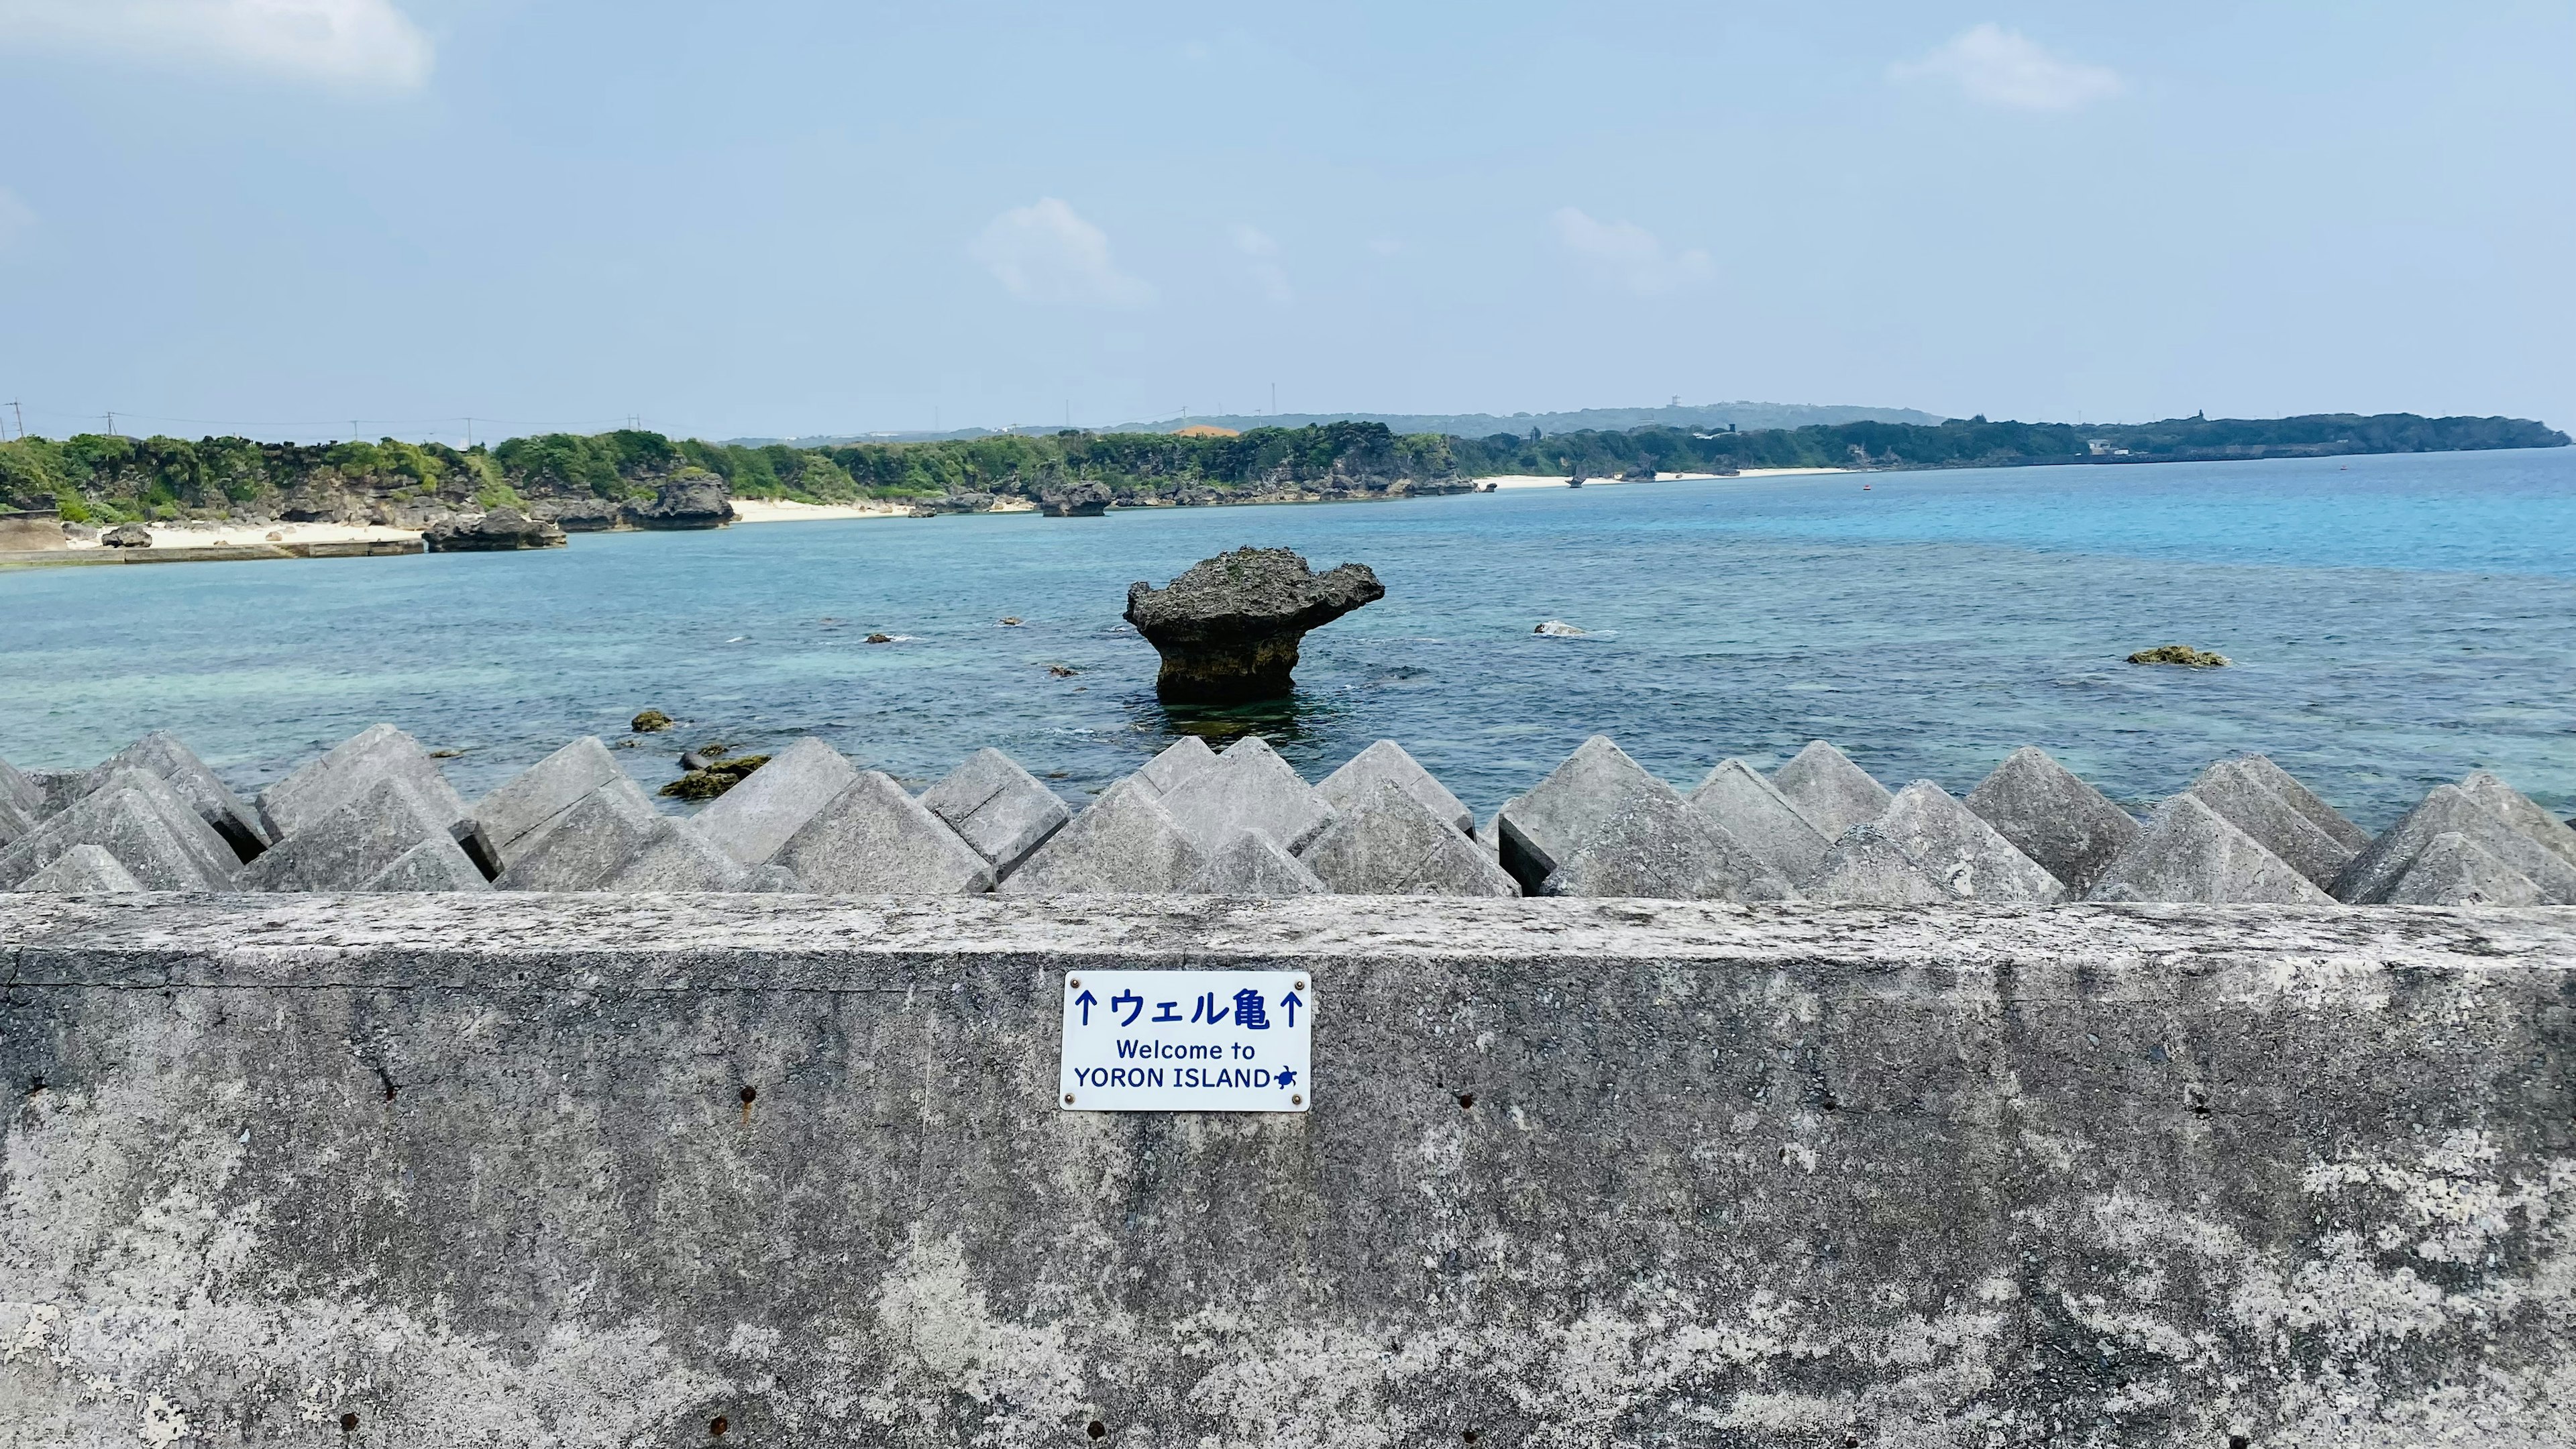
(760, 218)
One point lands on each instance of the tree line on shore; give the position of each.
(104, 478)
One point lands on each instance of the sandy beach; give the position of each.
(782, 510)
(237, 535)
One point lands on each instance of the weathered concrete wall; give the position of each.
(508, 1170)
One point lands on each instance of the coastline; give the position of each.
(1533, 480)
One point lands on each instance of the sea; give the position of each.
(2394, 622)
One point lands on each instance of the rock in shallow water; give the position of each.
(499, 531)
(1229, 629)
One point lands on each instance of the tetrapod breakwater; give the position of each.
(375, 814)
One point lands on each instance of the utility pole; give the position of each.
(1274, 399)
(111, 425)
(22, 418)
(469, 432)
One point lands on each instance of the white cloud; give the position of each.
(1627, 255)
(2006, 68)
(15, 216)
(1262, 263)
(357, 43)
(1048, 253)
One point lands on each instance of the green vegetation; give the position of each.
(99, 479)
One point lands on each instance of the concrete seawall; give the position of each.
(475, 1170)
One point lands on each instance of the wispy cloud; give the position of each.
(1046, 252)
(15, 217)
(361, 44)
(1261, 262)
(1627, 255)
(2006, 68)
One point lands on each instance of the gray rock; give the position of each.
(82, 870)
(1248, 788)
(2454, 871)
(1079, 500)
(2243, 800)
(1125, 843)
(1865, 868)
(1388, 842)
(1252, 866)
(501, 530)
(1229, 629)
(515, 812)
(2447, 809)
(1654, 844)
(141, 821)
(585, 846)
(692, 498)
(1970, 858)
(2522, 813)
(998, 808)
(751, 821)
(676, 857)
(2070, 828)
(162, 753)
(1386, 762)
(1747, 807)
(355, 765)
(126, 535)
(2189, 853)
(1179, 760)
(2304, 800)
(875, 840)
(345, 849)
(437, 864)
(1832, 792)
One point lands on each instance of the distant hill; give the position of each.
(1706, 417)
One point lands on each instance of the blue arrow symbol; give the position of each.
(1086, 1001)
(1289, 1004)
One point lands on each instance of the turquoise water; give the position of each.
(2396, 622)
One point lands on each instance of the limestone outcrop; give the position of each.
(1080, 500)
(692, 499)
(499, 531)
(1229, 629)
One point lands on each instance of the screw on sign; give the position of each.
(1187, 1041)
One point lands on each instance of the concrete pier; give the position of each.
(771, 1170)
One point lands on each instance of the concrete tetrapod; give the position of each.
(676, 856)
(875, 839)
(2240, 797)
(354, 765)
(1748, 807)
(520, 809)
(136, 817)
(2055, 818)
(2189, 853)
(162, 754)
(1970, 858)
(1388, 842)
(2306, 801)
(1247, 788)
(754, 819)
(2455, 871)
(584, 847)
(2446, 809)
(348, 847)
(438, 864)
(14, 821)
(1865, 868)
(1542, 829)
(1252, 865)
(1179, 760)
(20, 792)
(1386, 762)
(1653, 844)
(1827, 788)
(1126, 843)
(2518, 810)
(997, 807)
(81, 869)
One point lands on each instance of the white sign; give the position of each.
(1187, 1041)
